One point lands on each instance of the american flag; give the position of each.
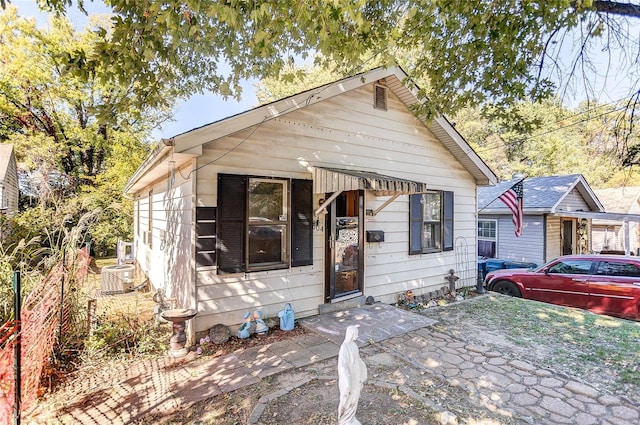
(513, 199)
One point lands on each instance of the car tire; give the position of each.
(507, 288)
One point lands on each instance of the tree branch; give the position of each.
(617, 8)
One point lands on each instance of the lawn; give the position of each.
(567, 340)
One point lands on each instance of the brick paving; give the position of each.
(492, 381)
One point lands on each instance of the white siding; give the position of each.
(342, 132)
(9, 194)
(168, 263)
(607, 237)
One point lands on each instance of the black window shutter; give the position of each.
(301, 222)
(232, 191)
(206, 236)
(447, 243)
(415, 224)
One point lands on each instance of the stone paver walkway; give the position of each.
(521, 390)
(491, 380)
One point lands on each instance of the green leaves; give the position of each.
(466, 52)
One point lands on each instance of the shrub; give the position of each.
(125, 336)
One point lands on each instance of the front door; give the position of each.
(567, 237)
(344, 262)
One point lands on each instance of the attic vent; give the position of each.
(380, 97)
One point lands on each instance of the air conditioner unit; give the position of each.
(117, 279)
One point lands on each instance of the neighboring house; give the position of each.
(326, 195)
(9, 191)
(553, 219)
(609, 235)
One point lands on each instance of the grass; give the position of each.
(571, 340)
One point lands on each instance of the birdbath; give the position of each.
(178, 317)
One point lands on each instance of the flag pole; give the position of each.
(496, 198)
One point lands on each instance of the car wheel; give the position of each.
(507, 288)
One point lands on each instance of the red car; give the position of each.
(607, 284)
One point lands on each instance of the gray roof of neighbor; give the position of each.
(541, 194)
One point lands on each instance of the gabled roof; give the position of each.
(190, 142)
(541, 194)
(619, 199)
(6, 151)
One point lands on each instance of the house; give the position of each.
(333, 193)
(9, 191)
(555, 219)
(609, 235)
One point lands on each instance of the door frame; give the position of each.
(573, 233)
(330, 294)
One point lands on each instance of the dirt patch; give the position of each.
(316, 404)
(389, 396)
(275, 334)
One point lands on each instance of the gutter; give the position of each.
(158, 151)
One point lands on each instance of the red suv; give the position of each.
(607, 284)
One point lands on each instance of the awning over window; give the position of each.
(326, 180)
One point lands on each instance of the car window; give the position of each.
(571, 267)
(611, 268)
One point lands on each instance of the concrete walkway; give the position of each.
(483, 379)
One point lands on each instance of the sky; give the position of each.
(202, 109)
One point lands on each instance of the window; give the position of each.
(268, 226)
(263, 223)
(571, 267)
(618, 269)
(487, 238)
(431, 222)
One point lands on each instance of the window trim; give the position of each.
(436, 224)
(233, 223)
(495, 228)
(285, 244)
(416, 216)
(488, 238)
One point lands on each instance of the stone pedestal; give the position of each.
(178, 318)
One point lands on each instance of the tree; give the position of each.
(555, 140)
(292, 80)
(497, 51)
(77, 137)
(565, 141)
(62, 125)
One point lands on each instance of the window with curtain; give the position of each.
(431, 222)
(487, 238)
(264, 223)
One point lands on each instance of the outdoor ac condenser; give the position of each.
(117, 279)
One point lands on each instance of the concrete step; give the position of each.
(342, 305)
